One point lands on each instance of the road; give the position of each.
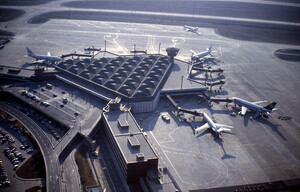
(70, 174)
(53, 178)
(90, 114)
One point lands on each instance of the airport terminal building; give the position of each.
(129, 144)
(137, 79)
(128, 84)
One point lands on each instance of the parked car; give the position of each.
(16, 166)
(22, 147)
(29, 150)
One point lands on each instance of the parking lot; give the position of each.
(16, 148)
(52, 128)
(54, 106)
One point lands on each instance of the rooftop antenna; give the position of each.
(134, 48)
(159, 48)
(181, 81)
(104, 48)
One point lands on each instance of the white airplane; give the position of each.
(253, 106)
(217, 128)
(202, 55)
(191, 29)
(46, 58)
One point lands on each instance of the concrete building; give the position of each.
(130, 145)
(137, 79)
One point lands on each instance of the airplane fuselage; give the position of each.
(45, 57)
(249, 105)
(202, 54)
(190, 29)
(210, 122)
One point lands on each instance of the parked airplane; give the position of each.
(217, 128)
(202, 55)
(191, 29)
(253, 106)
(46, 58)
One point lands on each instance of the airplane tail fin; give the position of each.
(210, 47)
(271, 106)
(29, 51)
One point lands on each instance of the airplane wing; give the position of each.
(210, 57)
(244, 110)
(224, 126)
(197, 33)
(186, 28)
(259, 102)
(202, 128)
(223, 130)
(193, 52)
(48, 54)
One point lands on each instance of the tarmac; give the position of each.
(258, 151)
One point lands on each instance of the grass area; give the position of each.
(86, 174)
(34, 167)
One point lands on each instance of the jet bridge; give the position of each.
(218, 100)
(180, 109)
(219, 70)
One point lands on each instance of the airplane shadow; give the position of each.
(273, 126)
(220, 141)
(264, 121)
(203, 133)
(246, 119)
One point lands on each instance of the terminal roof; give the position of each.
(131, 140)
(15, 72)
(139, 76)
(178, 80)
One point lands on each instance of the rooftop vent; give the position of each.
(14, 70)
(140, 156)
(133, 141)
(123, 123)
